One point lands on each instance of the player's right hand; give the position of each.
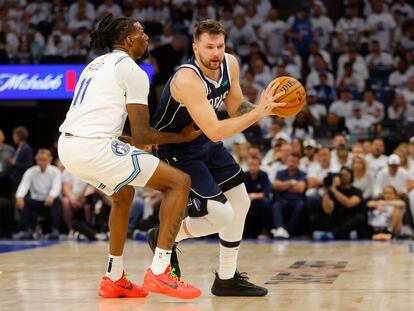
(188, 133)
(268, 99)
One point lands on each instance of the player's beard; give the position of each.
(146, 53)
(208, 64)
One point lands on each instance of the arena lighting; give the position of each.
(33, 82)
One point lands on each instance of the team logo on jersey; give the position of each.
(119, 148)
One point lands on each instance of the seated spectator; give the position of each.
(240, 36)
(326, 93)
(273, 35)
(302, 126)
(316, 51)
(362, 178)
(44, 181)
(350, 79)
(367, 147)
(310, 155)
(355, 59)
(320, 65)
(288, 64)
(350, 27)
(109, 7)
(23, 158)
(259, 188)
(288, 209)
(73, 200)
(391, 175)
(400, 76)
(316, 173)
(385, 215)
(377, 59)
(359, 124)
(343, 159)
(341, 215)
(81, 5)
(372, 107)
(376, 158)
(276, 159)
(322, 26)
(342, 107)
(317, 110)
(408, 92)
(357, 149)
(80, 21)
(400, 111)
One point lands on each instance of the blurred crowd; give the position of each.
(341, 168)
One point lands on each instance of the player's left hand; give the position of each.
(188, 133)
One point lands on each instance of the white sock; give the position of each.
(227, 262)
(115, 267)
(160, 261)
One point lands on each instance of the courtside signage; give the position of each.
(34, 82)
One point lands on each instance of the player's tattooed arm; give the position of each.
(245, 107)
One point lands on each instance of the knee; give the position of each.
(220, 214)
(123, 198)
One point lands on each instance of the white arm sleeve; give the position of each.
(133, 80)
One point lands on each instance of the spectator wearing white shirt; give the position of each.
(320, 65)
(350, 27)
(357, 61)
(362, 177)
(309, 158)
(381, 25)
(406, 40)
(359, 124)
(275, 159)
(372, 107)
(350, 79)
(262, 73)
(408, 92)
(322, 26)
(241, 35)
(226, 18)
(38, 11)
(80, 21)
(109, 7)
(376, 160)
(411, 155)
(400, 110)
(399, 77)
(73, 198)
(81, 4)
(273, 34)
(290, 67)
(342, 107)
(317, 110)
(252, 18)
(377, 59)
(316, 174)
(406, 9)
(58, 44)
(158, 12)
(44, 181)
(392, 175)
(315, 50)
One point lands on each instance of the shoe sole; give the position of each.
(114, 295)
(157, 290)
(238, 294)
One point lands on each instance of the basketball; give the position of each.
(294, 96)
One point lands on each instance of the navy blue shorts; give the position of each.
(212, 169)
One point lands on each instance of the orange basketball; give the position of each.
(294, 97)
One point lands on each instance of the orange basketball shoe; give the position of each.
(121, 288)
(169, 284)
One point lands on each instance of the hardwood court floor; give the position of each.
(365, 275)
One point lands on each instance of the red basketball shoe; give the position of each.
(169, 284)
(121, 288)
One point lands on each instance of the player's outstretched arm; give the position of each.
(187, 88)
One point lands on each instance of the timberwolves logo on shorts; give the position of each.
(119, 148)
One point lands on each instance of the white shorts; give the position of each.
(106, 163)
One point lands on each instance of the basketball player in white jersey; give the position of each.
(111, 88)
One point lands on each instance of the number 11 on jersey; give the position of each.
(80, 93)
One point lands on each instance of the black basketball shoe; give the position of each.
(152, 237)
(236, 286)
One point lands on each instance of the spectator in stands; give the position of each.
(402, 153)
(80, 21)
(73, 200)
(81, 5)
(240, 36)
(300, 31)
(367, 147)
(302, 126)
(376, 159)
(350, 79)
(322, 26)
(326, 93)
(380, 25)
(316, 173)
(44, 181)
(399, 77)
(109, 7)
(320, 65)
(343, 107)
(399, 110)
(310, 155)
(316, 51)
(317, 110)
(262, 73)
(377, 59)
(407, 38)
(276, 159)
(342, 213)
(385, 215)
(259, 188)
(350, 27)
(411, 153)
(6, 152)
(288, 209)
(273, 34)
(391, 175)
(58, 44)
(38, 12)
(362, 177)
(359, 124)
(408, 92)
(23, 158)
(372, 107)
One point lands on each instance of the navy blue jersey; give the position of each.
(171, 116)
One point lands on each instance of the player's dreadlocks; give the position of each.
(111, 31)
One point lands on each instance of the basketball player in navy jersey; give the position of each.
(218, 197)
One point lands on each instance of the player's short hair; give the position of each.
(111, 31)
(209, 26)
